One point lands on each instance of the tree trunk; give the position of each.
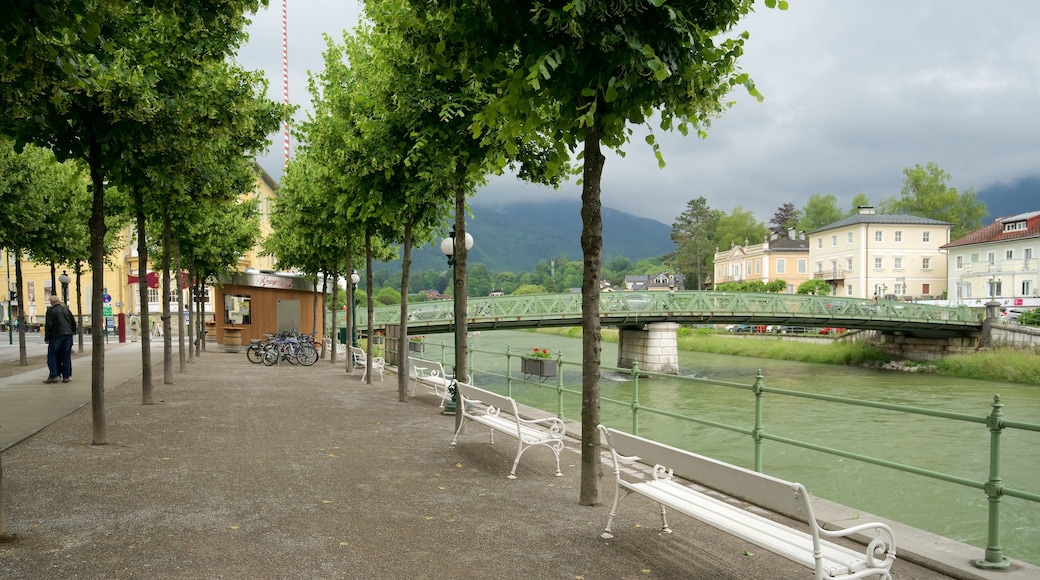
(370, 305)
(591, 347)
(459, 296)
(98, 228)
(335, 292)
(164, 299)
(79, 304)
(180, 313)
(19, 311)
(144, 318)
(402, 353)
(192, 317)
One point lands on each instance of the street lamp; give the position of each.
(354, 279)
(64, 280)
(459, 304)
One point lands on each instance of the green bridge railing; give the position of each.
(691, 307)
(995, 422)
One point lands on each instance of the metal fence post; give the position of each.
(509, 373)
(635, 396)
(559, 385)
(994, 488)
(756, 433)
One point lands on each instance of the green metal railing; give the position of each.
(993, 487)
(690, 307)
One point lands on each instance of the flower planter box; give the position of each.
(540, 367)
(415, 346)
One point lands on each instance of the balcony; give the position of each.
(830, 275)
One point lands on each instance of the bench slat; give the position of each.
(500, 413)
(797, 545)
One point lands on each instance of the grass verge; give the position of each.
(1001, 365)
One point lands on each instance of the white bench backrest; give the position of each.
(775, 494)
(501, 402)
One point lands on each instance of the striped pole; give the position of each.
(285, 71)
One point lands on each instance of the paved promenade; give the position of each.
(246, 471)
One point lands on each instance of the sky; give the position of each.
(855, 92)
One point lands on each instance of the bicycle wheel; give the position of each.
(292, 351)
(255, 354)
(307, 355)
(272, 356)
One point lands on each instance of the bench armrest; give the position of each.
(880, 549)
(557, 428)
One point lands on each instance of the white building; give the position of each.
(893, 256)
(999, 261)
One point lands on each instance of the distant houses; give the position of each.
(660, 282)
(900, 257)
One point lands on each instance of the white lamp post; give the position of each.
(354, 279)
(459, 303)
(64, 280)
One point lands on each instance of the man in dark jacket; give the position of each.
(57, 333)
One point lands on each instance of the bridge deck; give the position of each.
(691, 307)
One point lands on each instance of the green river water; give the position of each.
(943, 445)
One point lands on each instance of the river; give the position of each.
(953, 447)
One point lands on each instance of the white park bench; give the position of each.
(808, 547)
(431, 374)
(499, 413)
(361, 359)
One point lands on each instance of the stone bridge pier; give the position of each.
(653, 345)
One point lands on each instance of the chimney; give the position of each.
(866, 210)
(790, 233)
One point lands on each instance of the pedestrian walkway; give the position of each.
(247, 471)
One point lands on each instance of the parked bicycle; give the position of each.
(290, 346)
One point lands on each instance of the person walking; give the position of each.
(57, 333)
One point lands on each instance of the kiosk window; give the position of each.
(236, 309)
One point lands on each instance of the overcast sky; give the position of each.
(854, 93)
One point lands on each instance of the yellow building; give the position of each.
(120, 284)
(776, 258)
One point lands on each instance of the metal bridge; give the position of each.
(628, 309)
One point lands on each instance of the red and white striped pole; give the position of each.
(285, 71)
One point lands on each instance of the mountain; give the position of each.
(1007, 199)
(515, 237)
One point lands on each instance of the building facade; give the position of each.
(998, 262)
(776, 258)
(898, 257)
(121, 286)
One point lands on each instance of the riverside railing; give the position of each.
(996, 423)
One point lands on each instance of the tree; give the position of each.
(819, 211)
(694, 235)
(814, 286)
(579, 74)
(785, 218)
(739, 228)
(925, 194)
(859, 200)
(91, 97)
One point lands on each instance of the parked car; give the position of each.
(1010, 315)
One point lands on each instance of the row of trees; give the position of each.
(700, 230)
(413, 111)
(141, 114)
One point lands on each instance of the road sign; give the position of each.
(106, 311)
(106, 298)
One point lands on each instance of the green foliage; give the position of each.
(1030, 317)
(814, 286)
(387, 296)
(695, 235)
(1009, 365)
(529, 289)
(739, 228)
(819, 211)
(925, 194)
